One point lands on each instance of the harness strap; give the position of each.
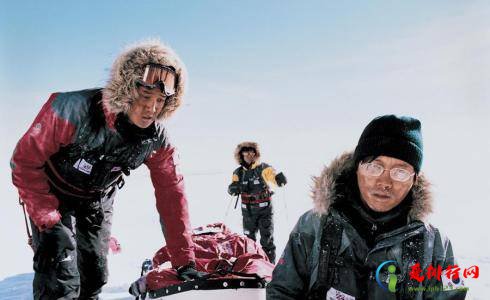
(60, 184)
(329, 248)
(257, 201)
(256, 198)
(411, 255)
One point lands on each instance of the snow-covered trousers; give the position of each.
(260, 218)
(61, 273)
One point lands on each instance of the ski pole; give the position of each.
(236, 202)
(28, 230)
(228, 208)
(285, 205)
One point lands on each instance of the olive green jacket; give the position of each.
(326, 256)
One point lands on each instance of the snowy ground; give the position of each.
(480, 287)
(18, 287)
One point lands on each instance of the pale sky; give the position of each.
(302, 79)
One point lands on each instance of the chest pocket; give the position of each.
(251, 181)
(120, 159)
(99, 167)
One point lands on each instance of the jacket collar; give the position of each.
(253, 166)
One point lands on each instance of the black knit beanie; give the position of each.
(390, 135)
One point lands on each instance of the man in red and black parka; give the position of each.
(72, 160)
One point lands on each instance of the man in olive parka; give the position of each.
(371, 207)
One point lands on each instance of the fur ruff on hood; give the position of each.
(120, 91)
(239, 148)
(324, 189)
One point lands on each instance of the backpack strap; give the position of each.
(330, 242)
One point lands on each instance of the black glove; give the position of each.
(57, 239)
(138, 288)
(234, 189)
(281, 179)
(189, 272)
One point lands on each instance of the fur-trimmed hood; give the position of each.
(324, 191)
(120, 91)
(239, 148)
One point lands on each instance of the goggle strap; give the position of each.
(145, 75)
(166, 74)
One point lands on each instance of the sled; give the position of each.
(237, 268)
(219, 288)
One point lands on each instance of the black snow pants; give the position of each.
(259, 217)
(79, 270)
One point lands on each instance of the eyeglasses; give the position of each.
(375, 170)
(156, 75)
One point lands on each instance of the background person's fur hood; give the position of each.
(120, 91)
(324, 191)
(239, 148)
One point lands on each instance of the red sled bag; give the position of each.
(233, 261)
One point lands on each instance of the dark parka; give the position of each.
(324, 237)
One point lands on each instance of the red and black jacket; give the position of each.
(75, 145)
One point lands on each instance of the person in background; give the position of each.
(251, 180)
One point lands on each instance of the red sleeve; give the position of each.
(171, 204)
(44, 137)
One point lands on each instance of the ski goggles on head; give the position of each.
(247, 149)
(160, 76)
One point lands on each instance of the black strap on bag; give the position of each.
(213, 282)
(28, 229)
